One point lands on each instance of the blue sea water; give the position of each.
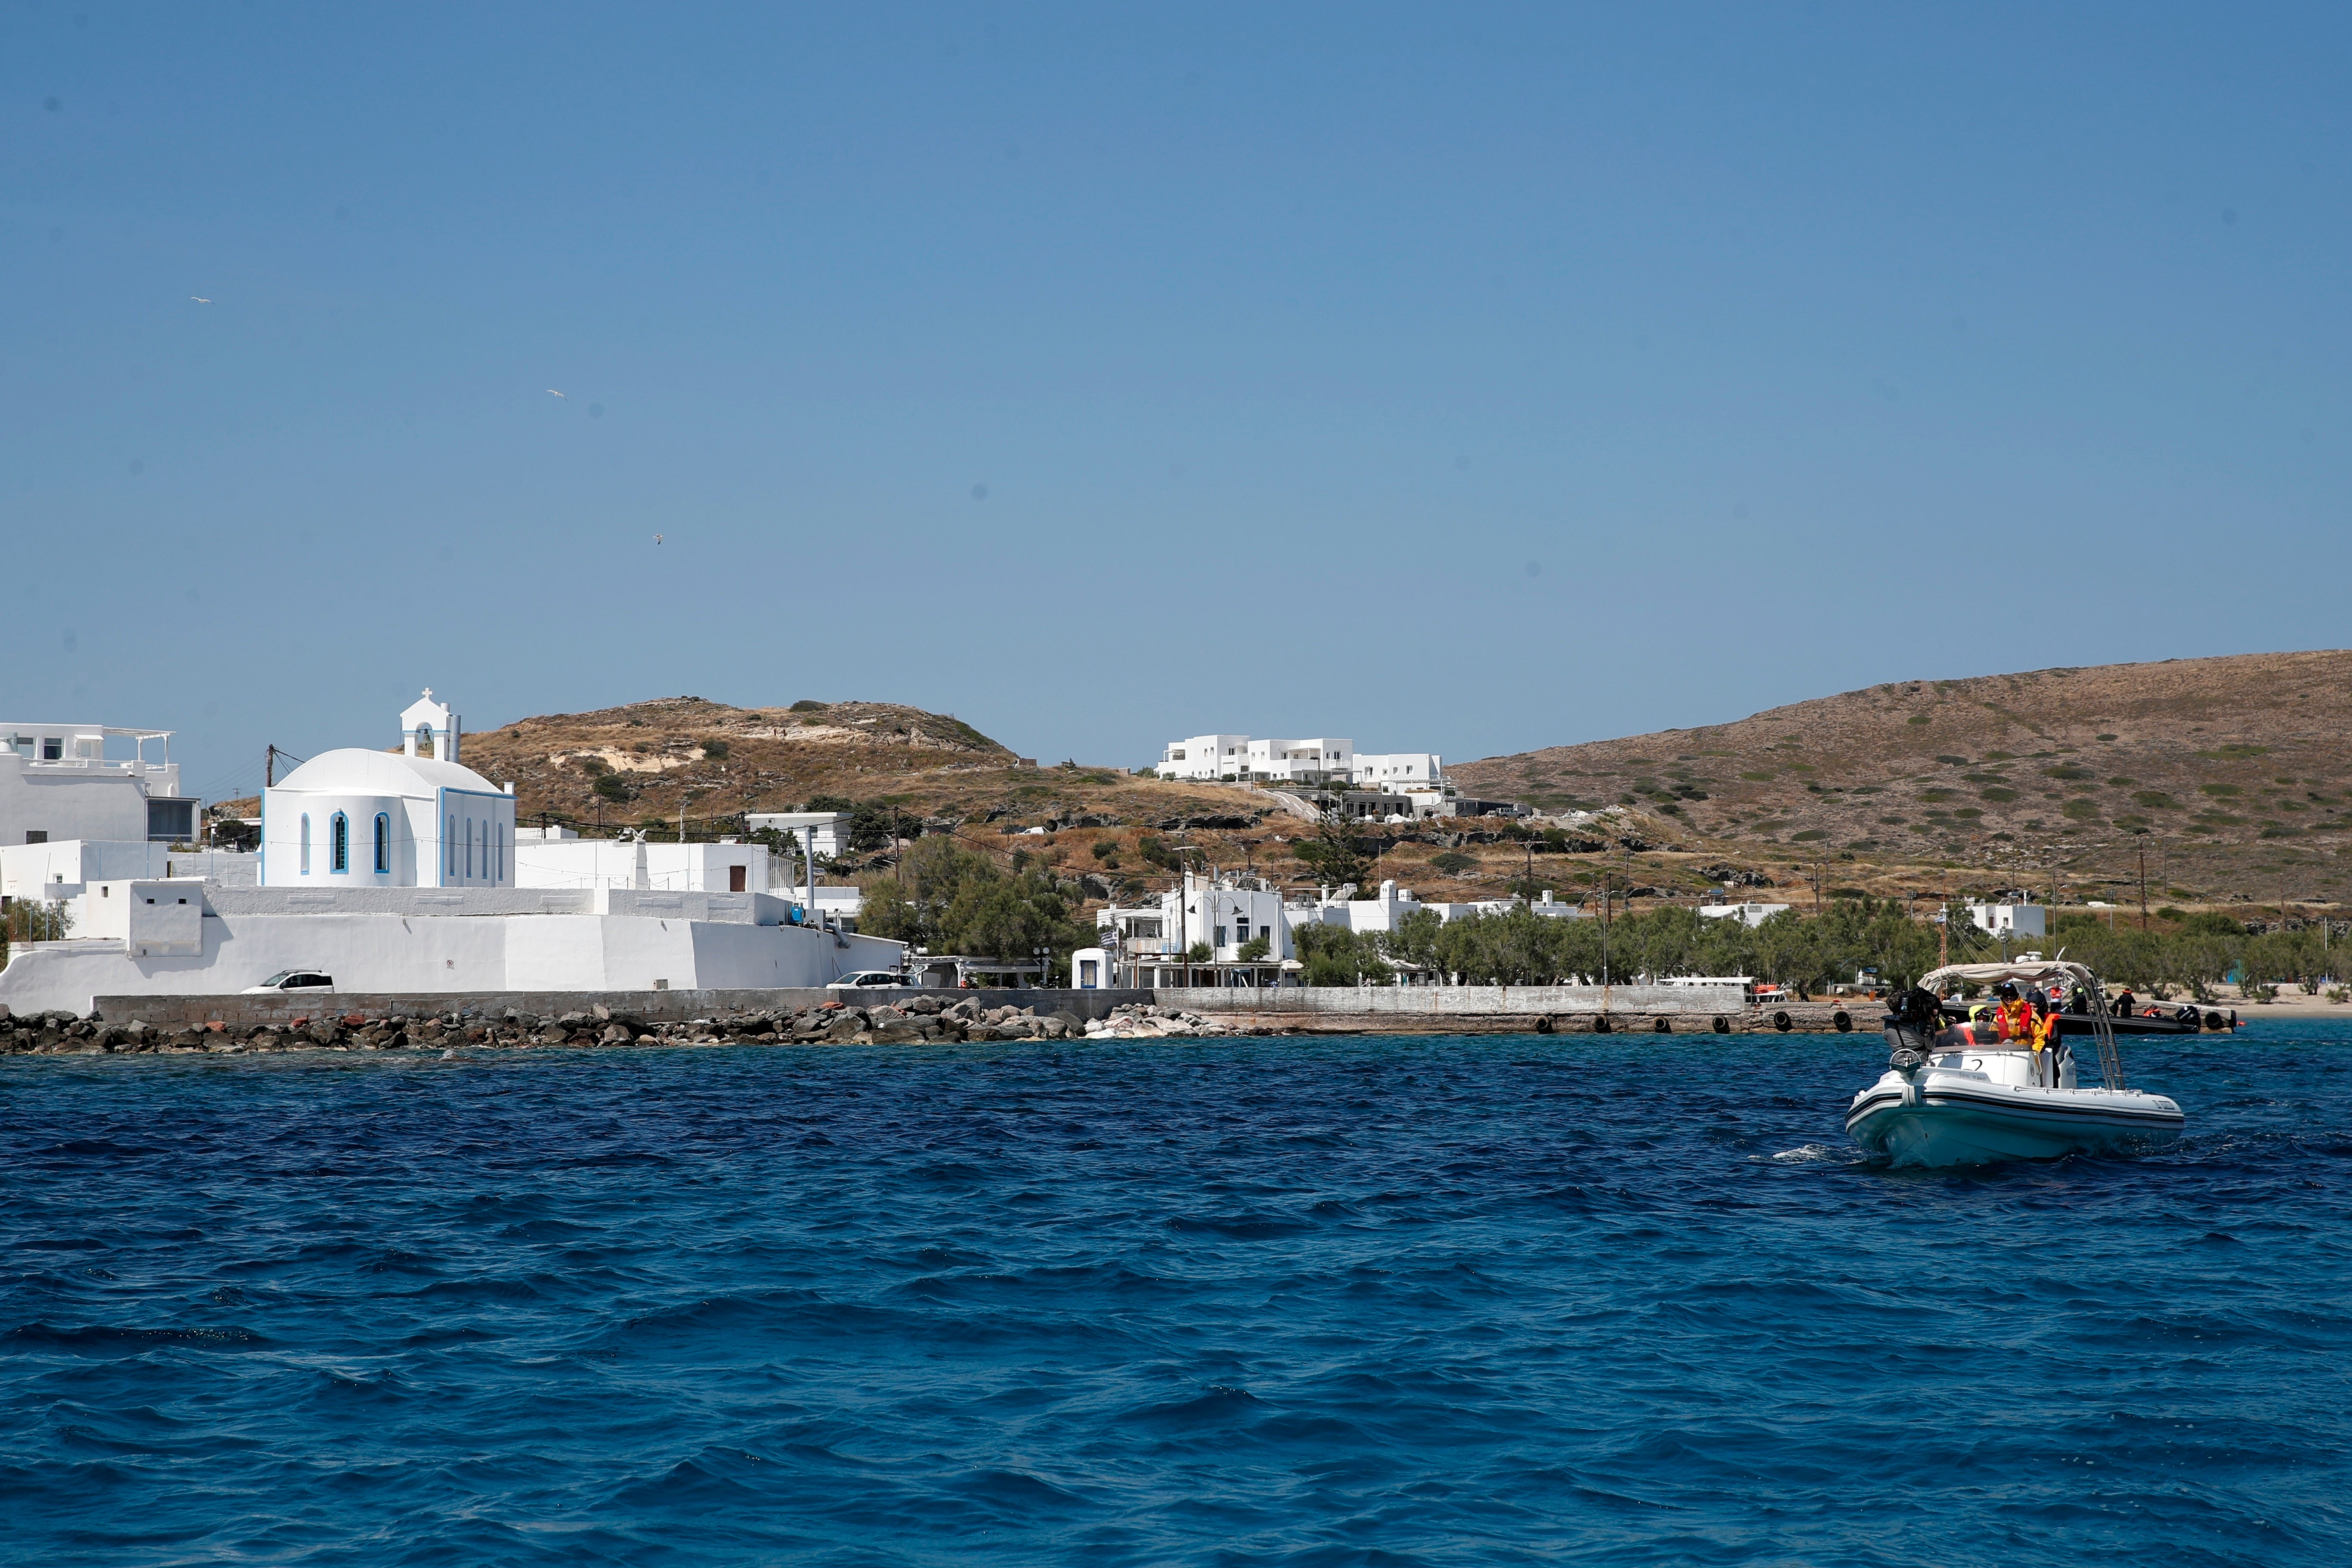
(1620, 1299)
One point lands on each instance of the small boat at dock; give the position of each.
(1955, 1093)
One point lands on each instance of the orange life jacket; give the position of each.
(2014, 1020)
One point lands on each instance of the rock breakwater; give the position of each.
(922, 1020)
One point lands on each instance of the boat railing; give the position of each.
(2103, 1029)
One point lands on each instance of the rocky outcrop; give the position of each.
(1143, 1021)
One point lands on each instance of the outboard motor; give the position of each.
(1913, 1020)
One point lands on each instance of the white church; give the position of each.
(395, 873)
(417, 818)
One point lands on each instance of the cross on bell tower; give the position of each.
(429, 723)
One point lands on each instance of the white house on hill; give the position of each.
(1317, 762)
(360, 818)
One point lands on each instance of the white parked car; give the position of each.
(858, 978)
(292, 980)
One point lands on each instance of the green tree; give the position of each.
(912, 905)
(2196, 960)
(1333, 955)
(1011, 917)
(1414, 940)
(37, 920)
(1336, 854)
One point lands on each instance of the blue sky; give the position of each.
(1465, 379)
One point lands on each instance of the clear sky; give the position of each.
(1452, 378)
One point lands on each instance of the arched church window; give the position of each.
(449, 841)
(338, 843)
(383, 843)
(306, 844)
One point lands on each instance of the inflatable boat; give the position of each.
(1953, 1095)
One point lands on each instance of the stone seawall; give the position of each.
(654, 1007)
(928, 1017)
(1358, 1010)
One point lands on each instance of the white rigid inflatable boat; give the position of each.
(1946, 1099)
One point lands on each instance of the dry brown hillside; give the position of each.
(2233, 776)
(717, 759)
(931, 771)
(1112, 832)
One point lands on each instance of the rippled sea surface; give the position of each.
(1618, 1298)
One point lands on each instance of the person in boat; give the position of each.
(2046, 1027)
(2012, 1020)
(2125, 1003)
(2047, 1014)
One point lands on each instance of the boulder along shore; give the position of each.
(922, 1021)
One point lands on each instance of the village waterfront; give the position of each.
(1488, 1300)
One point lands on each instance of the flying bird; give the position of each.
(200, 299)
(656, 538)
(552, 393)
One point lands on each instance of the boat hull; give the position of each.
(1933, 1123)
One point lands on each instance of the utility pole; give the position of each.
(1604, 944)
(1944, 937)
(2143, 887)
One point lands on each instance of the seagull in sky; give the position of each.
(656, 538)
(200, 299)
(552, 393)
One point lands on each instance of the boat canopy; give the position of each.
(1994, 973)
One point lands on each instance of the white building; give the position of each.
(92, 782)
(63, 869)
(1379, 784)
(1746, 914)
(1206, 757)
(353, 817)
(2010, 920)
(423, 941)
(1389, 908)
(1401, 772)
(1224, 915)
(826, 831)
(559, 858)
(396, 873)
(1314, 760)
